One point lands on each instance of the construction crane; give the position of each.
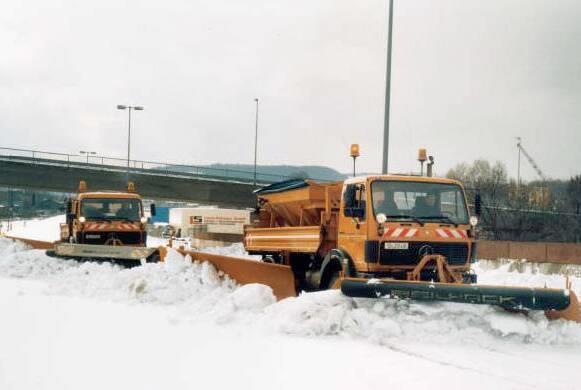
(541, 196)
(530, 160)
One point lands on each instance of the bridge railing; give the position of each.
(97, 162)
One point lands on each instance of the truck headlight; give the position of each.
(143, 219)
(473, 221)
(381, 218)
(82, 219)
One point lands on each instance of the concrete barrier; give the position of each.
(535, 252)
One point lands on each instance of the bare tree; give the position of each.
(574, 193)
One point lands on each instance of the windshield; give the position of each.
(418, 200)
(108, 209)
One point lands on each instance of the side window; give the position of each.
(354, 201)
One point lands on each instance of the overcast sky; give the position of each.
(468, 77)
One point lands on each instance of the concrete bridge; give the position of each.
(46, 171)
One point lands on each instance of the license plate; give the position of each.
(400, 246)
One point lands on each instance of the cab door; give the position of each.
(353, 222)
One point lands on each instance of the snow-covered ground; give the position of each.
(43, 229)
(178, 325)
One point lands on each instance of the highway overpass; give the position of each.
(45, 171)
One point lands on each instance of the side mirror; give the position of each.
(152, 209)
(70, 218)
(355, 212)
(478, 204)
(349, 197)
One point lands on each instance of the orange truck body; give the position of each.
(306, 225)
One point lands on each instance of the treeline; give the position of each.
(533, 211)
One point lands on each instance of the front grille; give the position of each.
(99, 238)
(456, 254)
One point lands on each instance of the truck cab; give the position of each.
(105, 218)
(387, 224)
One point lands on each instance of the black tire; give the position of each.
(267, 259)
(332, 279)
(153, 258)
(130, 263)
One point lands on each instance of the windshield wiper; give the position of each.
(444, 217)
(405, 216)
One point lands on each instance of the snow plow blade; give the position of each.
(35, 244)
(556, 303)
(279, 277)
(103, 251)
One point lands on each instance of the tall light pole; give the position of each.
(87, 153)
(518, 140)
(255, 140)
(129, 108)
(387, 91)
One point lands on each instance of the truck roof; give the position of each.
(108, 195)
(396, 177)
(311, 190)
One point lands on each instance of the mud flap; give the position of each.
(554, 301)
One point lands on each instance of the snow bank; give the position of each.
(383, 321)
(197, 292)
(508, 273)
(42, 229)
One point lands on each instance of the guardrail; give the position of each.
(104, 163)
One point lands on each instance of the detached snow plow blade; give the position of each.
(279, 277)
(555, 302)
(103, 251)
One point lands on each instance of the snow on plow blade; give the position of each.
(103, 251)
(279, 277)
(555, 302)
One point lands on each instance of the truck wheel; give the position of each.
(332, 279)
(330, 276)
(153, 258)
(331, 268)
(130, 263)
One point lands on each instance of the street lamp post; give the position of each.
(255, 140)
(87, 153)
(129, 108)
(387, 91)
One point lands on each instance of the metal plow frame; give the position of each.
(103, 251)
(556, 303)
(79, 251)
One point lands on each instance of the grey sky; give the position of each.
(468, 77)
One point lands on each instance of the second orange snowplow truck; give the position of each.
(390, 235)
(107, 225)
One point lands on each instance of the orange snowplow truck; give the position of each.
(390, 235)
(105, 225)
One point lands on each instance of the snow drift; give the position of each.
(197, 292)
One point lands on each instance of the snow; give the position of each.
(181, 325)
(42, 229)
